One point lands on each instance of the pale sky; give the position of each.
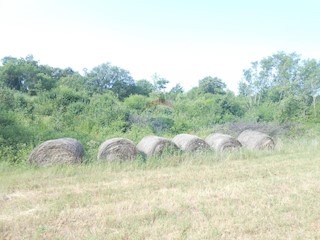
(182, 41)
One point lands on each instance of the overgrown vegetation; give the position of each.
(40, 102)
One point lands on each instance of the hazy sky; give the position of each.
(182, 41)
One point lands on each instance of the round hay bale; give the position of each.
(156, 146)
(222, 142)
(117, 149)
(57, 151)
(256, 140)
(190, 143)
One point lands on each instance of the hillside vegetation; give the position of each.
(40, 102)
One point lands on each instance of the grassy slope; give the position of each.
(245, 196)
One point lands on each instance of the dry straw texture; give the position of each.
(222, 142)
(190, 143)
(57, 151)
(256, 140)
(155, 146)
(117, 149)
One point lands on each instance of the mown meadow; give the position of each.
(205, 195)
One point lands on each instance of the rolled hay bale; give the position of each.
(117, 149)
(190, 143)
(222, 142)
(256, 140)
(156, 146)
(57, 151)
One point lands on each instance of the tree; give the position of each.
(144, 87)
(252, 84)
(310, 80)
(75, 81)
(212, 85)
(11, 74)
(176, 89)
(278, 72)
(136, 103)
(160, 83)
(26, 75)
(107, 77)
(284, 81)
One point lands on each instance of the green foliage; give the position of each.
(105, 114)
(38, 102)
(136, 102)
(76, 82)
(107, 77)
(67, 96)
(177, 89)
(14, 154)
(181, 126)
(160, 83)
(161, 124)
(144, 87)
(7, 101)
(15, 137)
(291, 108)
(212, 85)
(266, 112)
(136, 132)
(175, 92)
(206, 110)
(285, 82)
(26, 75)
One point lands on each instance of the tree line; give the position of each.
(39, 102)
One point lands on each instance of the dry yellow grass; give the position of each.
(275, 196)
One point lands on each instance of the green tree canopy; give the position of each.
(160, 83)
(26, 75)
(107, 77)
(144, 87)
(212, 85)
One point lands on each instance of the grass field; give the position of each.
(244, 195)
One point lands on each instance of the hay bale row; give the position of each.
(250, 139)
(256, 140)
(190, 143)
(222, 142)
(70, 151)
(117, 149)
(156, 146)
(57, 151)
